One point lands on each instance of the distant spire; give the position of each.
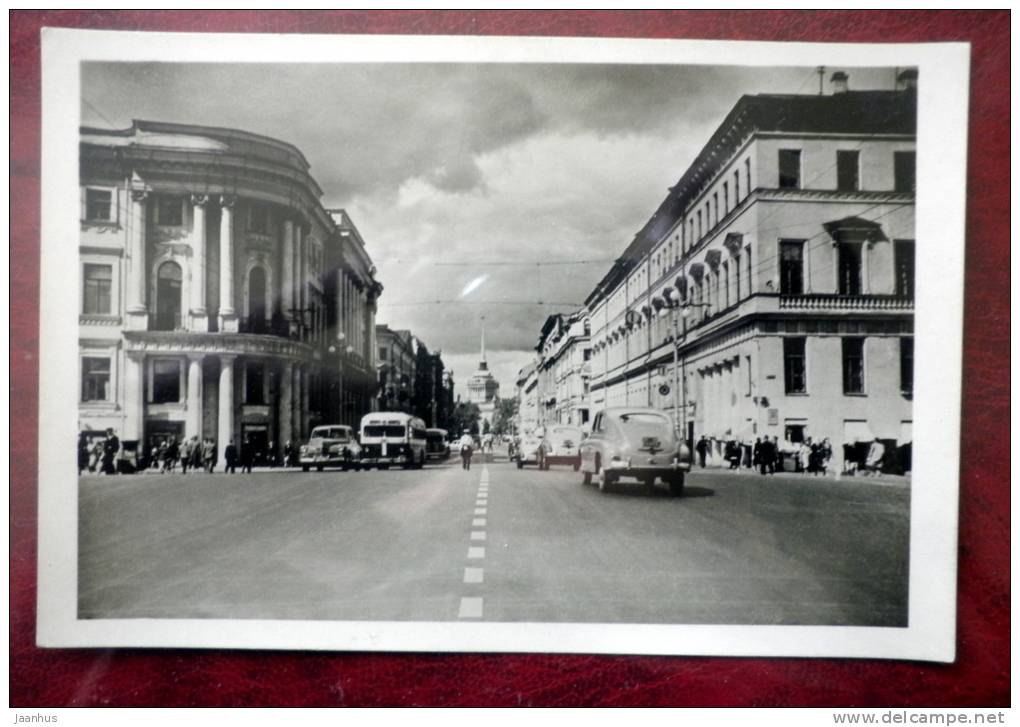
(482, 365)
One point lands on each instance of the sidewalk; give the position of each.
(890, 480)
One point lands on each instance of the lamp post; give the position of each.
(678, 310)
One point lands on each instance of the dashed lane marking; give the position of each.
(478, 522)
(480, 510)
(470, 608)
(478, 535)
(476, 553)
(474, 575)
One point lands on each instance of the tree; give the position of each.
(464, 418)
(503, 417)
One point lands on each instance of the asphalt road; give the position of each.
(495, 544)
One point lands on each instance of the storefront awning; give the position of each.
(857, 431)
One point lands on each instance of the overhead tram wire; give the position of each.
(558, 304)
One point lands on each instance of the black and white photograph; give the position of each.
(543, 346)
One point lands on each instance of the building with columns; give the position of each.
(219, 298)
(790, 243)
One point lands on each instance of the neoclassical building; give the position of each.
(219, 298)
(790, 243)
(564, 369)
(483, 388)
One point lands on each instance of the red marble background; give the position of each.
(135, 677)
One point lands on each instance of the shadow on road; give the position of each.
(690, 491)
(628, 489)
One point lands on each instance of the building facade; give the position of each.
(790, 244)
(396, 365)
(564, 369)
(527, 399)
(215, 287)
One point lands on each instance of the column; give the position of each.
(228, 315)
(865, 276)
(193, 423)
(134, 395)
(138, 316)
(296, 399)
(807, 267)
(225, 410)
(286, 432)
(835, 267)
(199, 317)
(287, 274)
(306, 391)
(299, 278)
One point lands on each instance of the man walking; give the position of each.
(230, 458)
(110, 448)
(702, 448)
(466, 451)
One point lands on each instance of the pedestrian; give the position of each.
(230, 458)
(271, 453)
(702, 448)
(767, 465)
(756, 452)
(876, 453)
(466, 451)
(247, 455)
(83, 453)
(209, 456)
(196, 454)
(824, 455)
(110, 448)
(185, 456)
(173, 451)
(804, 456)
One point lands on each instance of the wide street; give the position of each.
(495, 544)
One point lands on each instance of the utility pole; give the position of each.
(821, 80)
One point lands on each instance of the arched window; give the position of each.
(168, 297)
(257, 300)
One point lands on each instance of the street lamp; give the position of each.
(675, 305)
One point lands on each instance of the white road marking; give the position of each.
(478, 535)
(480, 510)
(470, 608)
(474, 575)
(478, 522)
(475, 553)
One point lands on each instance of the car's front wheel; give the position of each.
(586, 478)
(676, 484)
(520, 464)
(305, 467)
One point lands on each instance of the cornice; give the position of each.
(218, 343)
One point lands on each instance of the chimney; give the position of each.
(907, 80)
(840, 82)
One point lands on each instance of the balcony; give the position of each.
(260, 326)
(831, 301)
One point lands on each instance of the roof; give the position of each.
(850, 113)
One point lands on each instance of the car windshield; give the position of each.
(331, 433)
(644, 424)
(387, 430)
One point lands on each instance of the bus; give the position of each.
(392, 438)
(436, 446)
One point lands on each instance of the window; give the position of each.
(168, 297)
(726, 197)
(736, 275)
(794, 370)
(791, 267)
(907, 365)
(736, 186)
(254, 383)
(726, 284)
(166, 381)
(96, 287)
(170, 211)
(691, 239)
(903, 260)
(849, 268)
(258, 219)
(99, 205)
(699, 224)
(747, 174)
(848, 171)
(789, 168)
(747, 381)
(853, 365)
(904, 171)
(95, 379)
(794, 433)
(382, 354)
(715, 208)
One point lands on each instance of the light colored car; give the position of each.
(331, 445)
(561, 445)
(527, 453)
(634, 442)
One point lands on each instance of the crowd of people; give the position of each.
(105, 456)
(767, 454)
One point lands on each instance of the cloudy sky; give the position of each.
(463, 178)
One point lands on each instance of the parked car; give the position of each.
(331, 445)
(435, 444)
(561, 445)
(527, 453)
(634, 442)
